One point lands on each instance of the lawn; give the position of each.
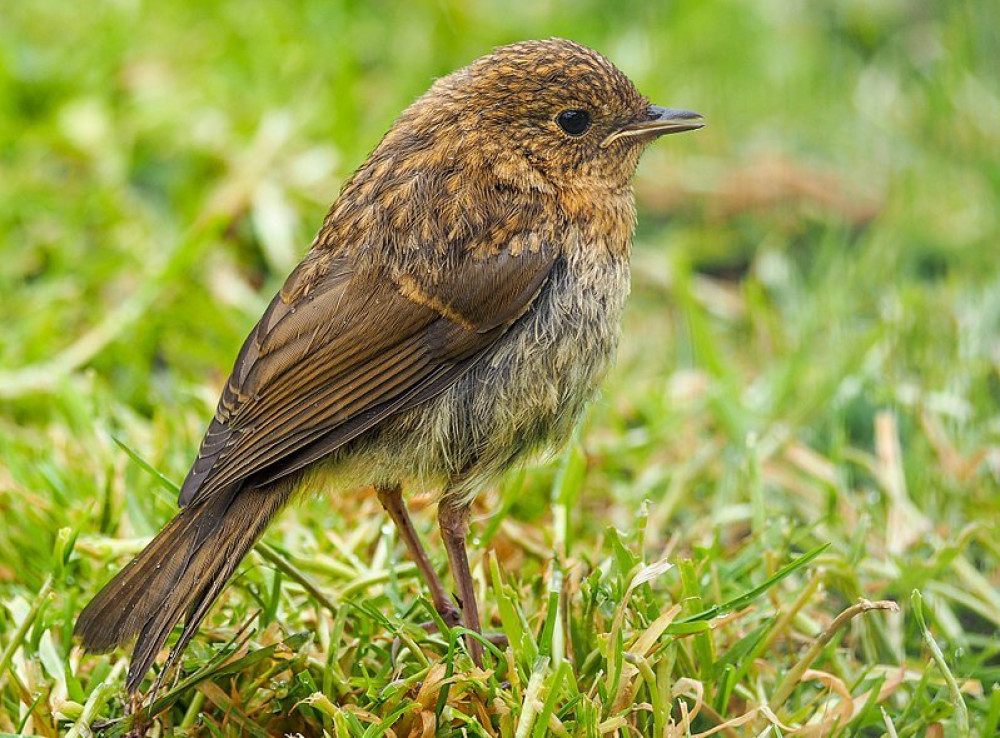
(781, 518)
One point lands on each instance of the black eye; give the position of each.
(574, 122)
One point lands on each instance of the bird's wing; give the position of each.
(339, 349)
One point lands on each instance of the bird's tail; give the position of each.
(179, 574)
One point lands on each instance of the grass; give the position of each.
(781, 518)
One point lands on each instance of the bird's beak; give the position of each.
(659, 122)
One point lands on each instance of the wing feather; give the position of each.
(337, 353)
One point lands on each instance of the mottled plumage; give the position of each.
(458, 308)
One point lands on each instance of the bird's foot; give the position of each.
(452, 617)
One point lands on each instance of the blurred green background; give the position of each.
(824, 254)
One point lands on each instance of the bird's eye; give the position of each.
(574, 122)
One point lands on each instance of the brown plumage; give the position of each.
(458, 308)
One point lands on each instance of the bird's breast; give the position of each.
(529, 390)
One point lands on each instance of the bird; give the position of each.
(455, 314)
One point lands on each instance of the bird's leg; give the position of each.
(454, 522)
(392, 500)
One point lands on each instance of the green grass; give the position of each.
(804, 417)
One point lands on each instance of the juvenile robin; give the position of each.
(457, 310)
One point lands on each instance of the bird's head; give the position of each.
(547, 115)
(491, 143)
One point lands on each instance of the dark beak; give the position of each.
(660, 122)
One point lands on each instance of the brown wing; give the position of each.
(335, 354)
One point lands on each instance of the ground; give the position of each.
(780, 518)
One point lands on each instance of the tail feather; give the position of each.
(178, 575)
